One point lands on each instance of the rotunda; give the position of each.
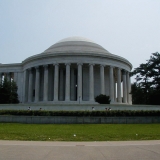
(73, 70)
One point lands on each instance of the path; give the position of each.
(119, 150)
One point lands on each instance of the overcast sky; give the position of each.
(128, 28)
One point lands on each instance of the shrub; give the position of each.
(103, 99)
(113, 113)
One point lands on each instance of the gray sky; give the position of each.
(128, 28)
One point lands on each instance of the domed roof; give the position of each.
(76, 45)
(75, 39)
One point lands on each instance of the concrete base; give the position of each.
(76, 107)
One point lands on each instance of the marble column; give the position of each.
(124, 87)
(25, 81)
(91, 82)
(30, 86)
(119, 97)
(15, 77)
(67, 92)
(56, 80)
(128, 89)
(111, 83)
(79, 93)
(114, 84)
(37, 84)
(45, 91)
(61, 86)
(102, 79)
(73, 85)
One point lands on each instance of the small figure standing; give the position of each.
(29, 108)
(93, 108)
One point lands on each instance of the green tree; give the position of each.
(137, 94)
(146, 89)
(5, 91)
(155, 70)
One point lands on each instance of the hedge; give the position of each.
(113, 113)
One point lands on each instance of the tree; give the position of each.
(137, 94)
(8, 92)
(155, 70)
(147, 85)
(5, 91)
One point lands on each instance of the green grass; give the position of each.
(84, 132)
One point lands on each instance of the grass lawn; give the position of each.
(79, 132)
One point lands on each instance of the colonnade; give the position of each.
(65, 83)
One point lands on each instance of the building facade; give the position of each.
(73, 70)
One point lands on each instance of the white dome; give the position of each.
(76, 45)
(75, 38)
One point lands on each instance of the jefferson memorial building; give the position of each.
(72, 71)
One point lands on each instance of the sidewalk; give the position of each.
(112, 150)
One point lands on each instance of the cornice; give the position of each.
(91, 54)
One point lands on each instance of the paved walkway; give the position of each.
(121, 150)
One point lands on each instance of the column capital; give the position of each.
(37, 68)
(128, 73)
(56, 64)
(29, 69)
(102, 65)
(124, 72)
(67, 64)
(112, 67)
(91, 64)
(80, 63)
(119, 68)
(45, 66)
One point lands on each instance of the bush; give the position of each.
(103, 99)
(113, 113)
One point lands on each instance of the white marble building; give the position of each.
(73, 70)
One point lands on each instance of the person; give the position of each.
(109, 109)
(40, 109)
(29, 108)
(93, 108)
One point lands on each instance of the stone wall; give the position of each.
(78, 120)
